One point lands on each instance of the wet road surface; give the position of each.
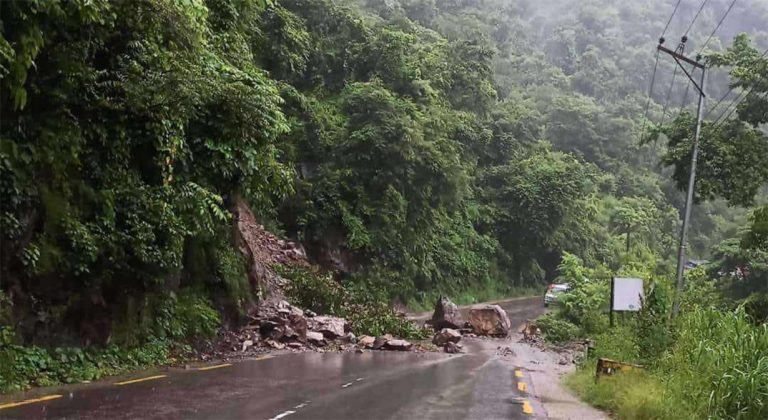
(480, 384)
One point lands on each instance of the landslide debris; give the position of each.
(274, 323)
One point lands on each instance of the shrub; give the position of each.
(653, 334)
(365, 309)
(557, 330)
(587, 299)
(186, 316)
(23, 367)
(756, 306)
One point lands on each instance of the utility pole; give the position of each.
(679, 58)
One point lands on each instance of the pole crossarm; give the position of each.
(679, 56)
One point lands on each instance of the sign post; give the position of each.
(627, 295)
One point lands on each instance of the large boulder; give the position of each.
(489, 320)
(446, 335)
(446, 315)
(332, 327)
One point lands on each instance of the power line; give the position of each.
(717, 27)
(670, 20)
(685, 95)
(717, 126)
(743, 93)
(650, 94)
(711, 110)
(666, 100)
(704, 3)
(733, 106)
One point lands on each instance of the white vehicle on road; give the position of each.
(553, 290)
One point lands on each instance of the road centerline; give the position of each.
(30, 401)
(133, 381)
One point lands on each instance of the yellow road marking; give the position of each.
(215, 366)
(133, 381)
(522, 386)
(518, 374)
(527, 409)
(264, 357)
(25, 402)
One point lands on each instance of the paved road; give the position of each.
(480, 384)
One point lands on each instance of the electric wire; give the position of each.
(720, 121)
(670, 19)
(704, 3)
(717, 27)
(650, 95)
(739, 98)
(719, 125)
(711, 110)
(666, 100)
(684, 103)
(729, 92)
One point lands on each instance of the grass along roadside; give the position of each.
(625, 396)
(717, 367)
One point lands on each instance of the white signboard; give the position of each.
(627, 294)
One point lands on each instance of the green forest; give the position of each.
(415, 148)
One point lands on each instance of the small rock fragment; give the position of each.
(446, 335)
(366, 341)
(451, 347)
(316, 338)
(399, 345)
(246, 345)
(381, 341)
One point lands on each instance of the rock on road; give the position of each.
(483, 383)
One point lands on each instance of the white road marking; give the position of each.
(358, 379)
(283, 414)
(346, 384)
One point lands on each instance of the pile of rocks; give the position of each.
(449, 325)
(383, 342)
(279, 325)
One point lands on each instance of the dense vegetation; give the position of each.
(712, 361)
(414, 147)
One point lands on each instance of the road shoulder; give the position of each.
(546, 374)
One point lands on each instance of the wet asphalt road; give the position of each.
(480, 384)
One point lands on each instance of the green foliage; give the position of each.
(417, 146)
(626, 396)
(716, 368)
(23, 367)
(719, 365)
(187, 316)
(586, 302)
(366, 309)
(653, 334)
(556, 329)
